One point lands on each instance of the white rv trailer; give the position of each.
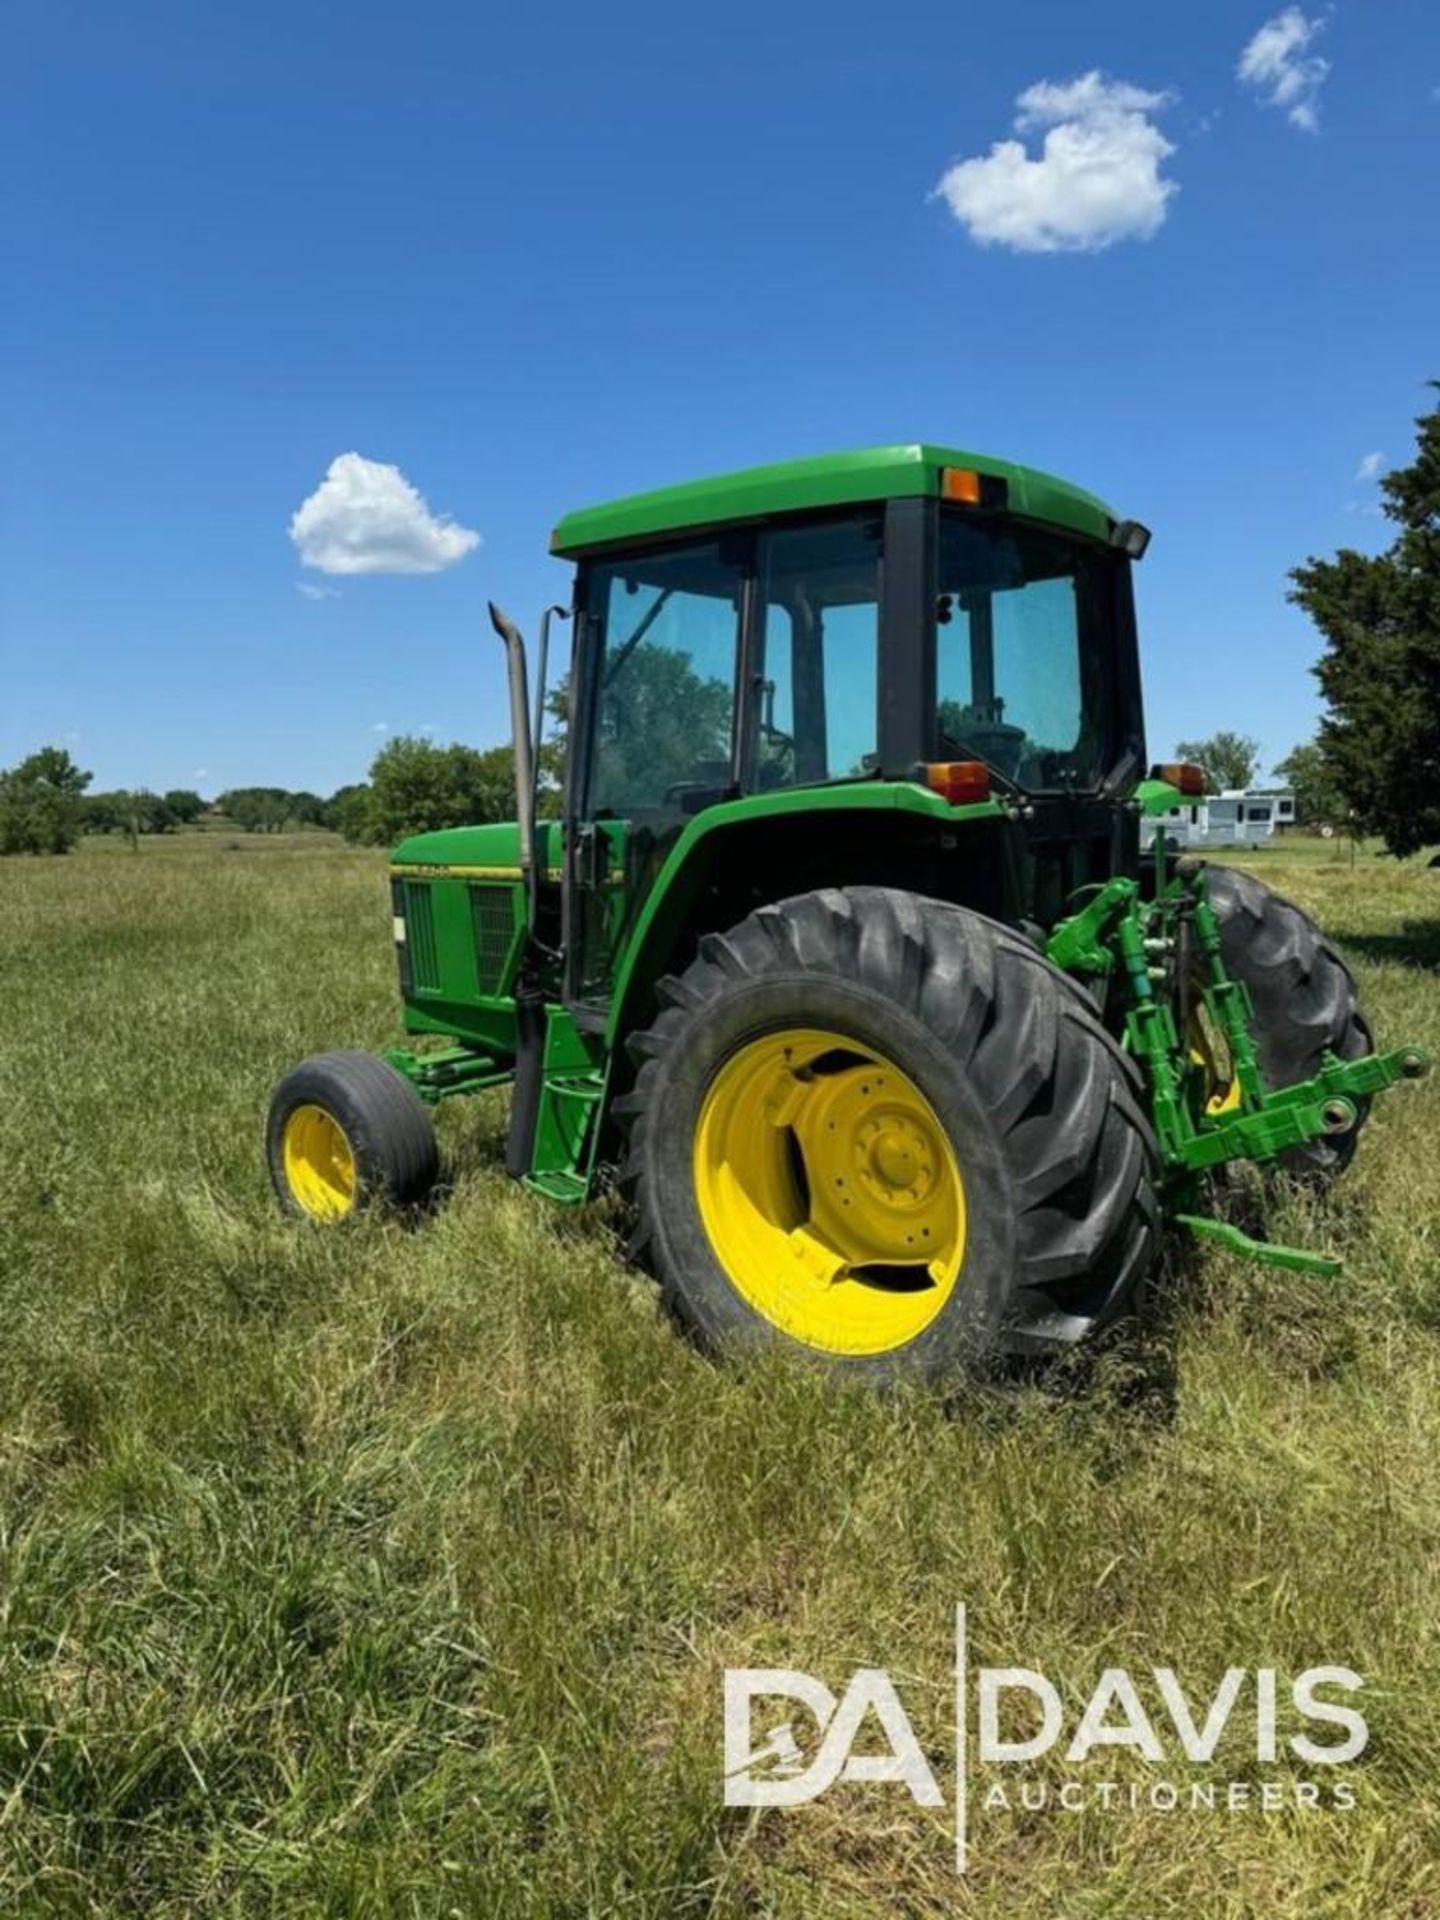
(1239, 817)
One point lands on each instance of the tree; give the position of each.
(185, 806)
(130, 812)
(658, 722)
(42, 808)
(146, 812)
(417, 786)
(550, 771)
(256, 809)
(307, 809)
(348, 811)
(1379, 616)
(100, 812)
(1318, 799)
(1229, 759)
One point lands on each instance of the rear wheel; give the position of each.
(817, 1162)
(1305, 1004)
(345, 1129)
(887, 1131)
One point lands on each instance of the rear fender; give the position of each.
(736, 856)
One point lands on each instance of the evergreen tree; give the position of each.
(42, 805)
(1379, 615)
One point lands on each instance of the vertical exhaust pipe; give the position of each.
(529, 1003)
(520, 733)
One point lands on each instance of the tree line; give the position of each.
(1374, 765)
(414, 785)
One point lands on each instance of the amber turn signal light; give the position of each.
(1179, 773)
(961, 782)
(960, 483)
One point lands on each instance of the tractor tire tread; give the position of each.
(1078, 1154)
(388, 1125)
(1303, 994)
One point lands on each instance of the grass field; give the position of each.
(393, 1572)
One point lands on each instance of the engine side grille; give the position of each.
(420, 935)
(492, 916)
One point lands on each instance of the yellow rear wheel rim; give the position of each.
(1209, 1052)
(830, 1192)
(319, 1163)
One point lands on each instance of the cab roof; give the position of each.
(831, 480)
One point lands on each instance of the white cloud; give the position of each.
(1096, 180)
(200, 773)
(365, 517)
(381, 726)
(1369, 467)
(313, 592)
(1278, 63)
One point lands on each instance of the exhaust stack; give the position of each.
(520, 734)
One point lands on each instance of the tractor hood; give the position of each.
(491, 852)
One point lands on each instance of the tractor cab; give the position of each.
(792, 636)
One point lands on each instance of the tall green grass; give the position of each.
(391, 1572)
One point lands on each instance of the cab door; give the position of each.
(658, 659)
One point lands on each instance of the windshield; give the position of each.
(1022, 637)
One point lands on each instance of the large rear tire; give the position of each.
(886, 1131)
(1303, 995)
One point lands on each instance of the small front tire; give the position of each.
(346, 1129)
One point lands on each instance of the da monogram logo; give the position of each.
(788, 1781)
(988, 1770)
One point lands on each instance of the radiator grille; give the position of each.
(420, 935)
(492, 914)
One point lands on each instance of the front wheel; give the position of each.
(887, 1132)
(345, 1129)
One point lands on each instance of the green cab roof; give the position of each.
(831, 480)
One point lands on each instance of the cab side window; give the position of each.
(819, 615)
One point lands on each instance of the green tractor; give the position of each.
(843, 952)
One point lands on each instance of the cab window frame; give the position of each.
(871, 516)
(589, 657)
(1110, 657)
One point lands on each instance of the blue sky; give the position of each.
(534, 257)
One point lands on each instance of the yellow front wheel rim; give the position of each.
(319, 1163)
(830, 1191)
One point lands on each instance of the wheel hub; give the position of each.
(896, 1161)
(830, 1192)
(319, 1163)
